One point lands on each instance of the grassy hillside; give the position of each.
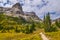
(17, 28)
(53, 35)
(15, 24)
(13, 28)
(21, 36)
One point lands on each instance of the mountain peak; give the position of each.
(17, 8)
(17, 11)
(17, 5)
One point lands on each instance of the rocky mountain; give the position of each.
(32, 16)
(58, 19)
(53, 21)
(16, 11)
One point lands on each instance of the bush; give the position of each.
(51, 29)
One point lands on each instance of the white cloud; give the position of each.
(43, 7)
(14, 1)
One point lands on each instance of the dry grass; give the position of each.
(21, 36)
(53, 35)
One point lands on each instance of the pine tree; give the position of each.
(47, 22)
(32, 27)
(44, 19)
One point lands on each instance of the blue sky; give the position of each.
(40, 7)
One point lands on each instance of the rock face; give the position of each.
(16, 11)
(17, 8)
(32, 16)
(58, 19)
(53, 21)
(1, 9)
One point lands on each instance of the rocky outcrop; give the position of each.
(16, 11)
(58, 19)
(1, 9)
(32, 16)
(53, 21)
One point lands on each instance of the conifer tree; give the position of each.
(47, 22)
(32, 27)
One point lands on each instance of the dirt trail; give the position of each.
(43, 36)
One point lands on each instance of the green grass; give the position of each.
(32, 36)
(21, 36)
(53, 35)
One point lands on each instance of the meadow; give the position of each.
(32, 36)
(53, 35)
(21, 36)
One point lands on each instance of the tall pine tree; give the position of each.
(47, 22)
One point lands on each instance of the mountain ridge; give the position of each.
(16, 11)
